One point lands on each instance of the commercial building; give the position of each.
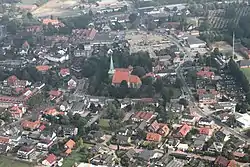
(194, 42)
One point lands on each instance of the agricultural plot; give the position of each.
(218, 22)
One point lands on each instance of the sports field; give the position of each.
(246, 71)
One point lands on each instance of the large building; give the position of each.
(194, 42)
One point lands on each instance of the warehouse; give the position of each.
(194, 42)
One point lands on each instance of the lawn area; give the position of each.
(246, 71)
(72, 159)
(6, 162)
(104, 124)
(177, 93)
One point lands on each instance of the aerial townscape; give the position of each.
(124, 83)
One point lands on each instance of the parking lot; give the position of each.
(143, 41)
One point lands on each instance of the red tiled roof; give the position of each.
(42, 127)
(55, 93)
(232, 163)
(30, 125)
(207, 74)
(68, 151)
(238, 154)
(221, 161)
(4, 139)
(52, 21)
(123, 74)
(143, 115)
(153, 137)
(51, 158)
(12, 79)
(70, 144)
(42, 68)
(15, 110)
(91, 33)
(155, 126)
(201, 91)
(64, 72)
(184, 130)
(204, 131)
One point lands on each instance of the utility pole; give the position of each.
(233, 45)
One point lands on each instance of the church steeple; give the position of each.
(111, 65)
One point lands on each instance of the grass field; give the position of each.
(104, 124)
(72, 159)
(6, 162)
(246, 71)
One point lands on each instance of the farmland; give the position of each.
(219, 22)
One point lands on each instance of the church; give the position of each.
(123, 74)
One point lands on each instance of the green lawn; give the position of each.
(177, 93)
(6, 162)
(72, 159)
(104, 124)
(246, 71)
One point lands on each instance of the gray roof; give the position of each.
(78, 106)
(175, 163)
(244, 62)
(193, 40)
(146, 154)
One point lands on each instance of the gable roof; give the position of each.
(64, 72)
(42, 68)
(153, 137)
(70, 144)
(55, 93)
(146, 116)
(204, 131)
(51, 159)
(184, 130)
(123, 74)
(4, 139)
(222, 161)
(30, 125)
(11, 80)
(232, 163)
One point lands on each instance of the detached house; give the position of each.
(29, 125)
(44, 144)
(25, 152)
(159, 128)
(17, 112)
(188, 119)
(153, 137)
(183, 131)
(205, 73)
(14, 82)
(55, 95)
(143, 116)
(50, 160)
(64, 72)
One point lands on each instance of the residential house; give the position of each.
(205, 73)
(233, 163)
(205, 122)
(64, 72)
(4, 140)
(206, 131)
(29, 125)
(207, 98)
(160, 128)
(199, 142)
(70, 131)
(56, 95)
(44, 144)
(176, 162)
(221, 161)
(45, 135)
(124, 140)
(143, 116)
(4, 148)
(64, 106)
(43, 68)
(103, 159)
(53, 22)
(34, 29)
(188, 119)
(78, 107)
(238, 155)
(14, 82)
(17, 112)
(221, 136)
(72, 84)
(97, 136)
(176, 107)
(153, 137)
(50, 160)
(70, 144)
(52, 112)
(182, 147)
(122, 74)
(183, 131)
(173, 142)
(130, 154)
(216, 147)
(25, 152)
(244, 63)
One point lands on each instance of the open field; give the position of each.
(104, 124)
(246, 71)
(75, 157)
(60, 8)
(6, 162)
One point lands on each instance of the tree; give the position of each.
(167, 9)
(178, 83)
(80, 143)
(216, 51)
(29, 15)
(132, 17)
(183, 102)
(175, 9)
(204, 26)
(230, 12)
(139, 71)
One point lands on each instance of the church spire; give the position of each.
(111, 65)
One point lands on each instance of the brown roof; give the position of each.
(70, 144)
(221, 161)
